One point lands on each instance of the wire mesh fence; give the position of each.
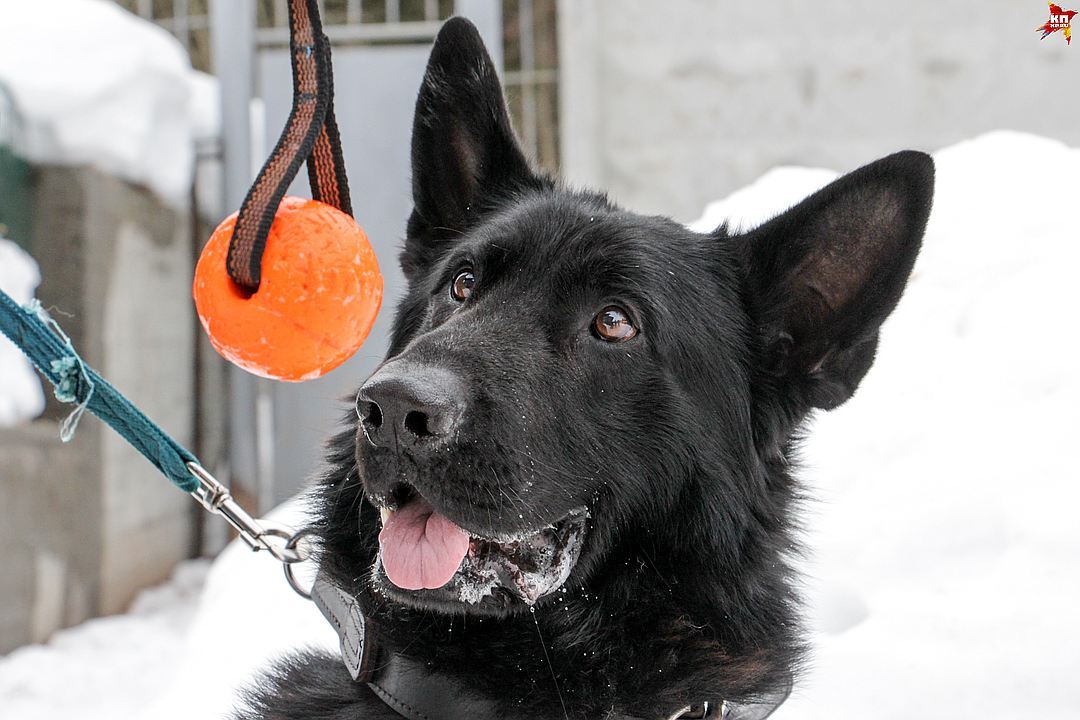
(530, 41)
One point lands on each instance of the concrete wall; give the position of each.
(671, 105)
(87, 524)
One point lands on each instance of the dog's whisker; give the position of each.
(547, 661)
(357, 501)
(345, 485)
(536, 460)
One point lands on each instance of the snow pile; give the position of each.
(947, 536)
(96, 85)
(943, 583)
(248, 614)
(946, 532)
(107, 668)
(20, 391)
(180, 653)
(752, 205)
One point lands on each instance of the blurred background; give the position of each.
(129, 129)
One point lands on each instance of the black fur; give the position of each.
(678, 441)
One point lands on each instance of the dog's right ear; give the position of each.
(465, 156)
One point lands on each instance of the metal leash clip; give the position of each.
(256, 534)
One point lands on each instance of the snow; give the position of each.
(944, 537)
(96, 85)
(20, 390)
(947, 539)
(106, 668)
(248, 614)
(179, 653)
(776, 190)
(945, 525)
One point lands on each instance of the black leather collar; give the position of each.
(417, 692)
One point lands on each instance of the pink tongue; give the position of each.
(421, 549)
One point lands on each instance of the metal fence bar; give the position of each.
(181, 22)
(531, 77)
(382, 32)
(198, 22)
(354, 14)
(528, 64)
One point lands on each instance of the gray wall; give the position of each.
(671, 105)
(85, 525)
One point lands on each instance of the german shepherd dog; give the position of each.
(567, 492)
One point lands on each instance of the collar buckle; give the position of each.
(358, 647)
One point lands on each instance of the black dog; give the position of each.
(581, 439)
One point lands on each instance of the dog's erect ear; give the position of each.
(464, 152)
(823, 276)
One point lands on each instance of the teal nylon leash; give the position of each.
(51, 352)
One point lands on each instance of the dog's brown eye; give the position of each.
(462, 286)
(613, 324)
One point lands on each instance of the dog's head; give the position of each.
(571, 387)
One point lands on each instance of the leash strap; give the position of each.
(311, 134)
(43, 341)
(52, 354)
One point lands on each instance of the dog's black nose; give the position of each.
(407, 405)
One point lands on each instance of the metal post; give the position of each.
(232, 28)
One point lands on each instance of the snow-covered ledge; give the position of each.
(96, 85)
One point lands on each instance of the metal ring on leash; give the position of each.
(216, 498)
(286, 552)
(290, 576)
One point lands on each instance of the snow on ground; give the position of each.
(943, 581)
(130, 108)
(20, 390)
(248, 614)
(109, 668)
(180, 653)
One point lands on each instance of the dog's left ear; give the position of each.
(465, 156)
(823, 276)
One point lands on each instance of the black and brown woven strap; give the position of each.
(310, 134)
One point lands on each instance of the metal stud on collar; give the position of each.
(695, 712)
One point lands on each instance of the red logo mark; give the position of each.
(1059, 20)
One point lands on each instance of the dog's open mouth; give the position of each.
(421, 549)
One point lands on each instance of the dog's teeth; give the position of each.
(385, 514)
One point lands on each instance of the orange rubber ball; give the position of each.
(318, 296)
